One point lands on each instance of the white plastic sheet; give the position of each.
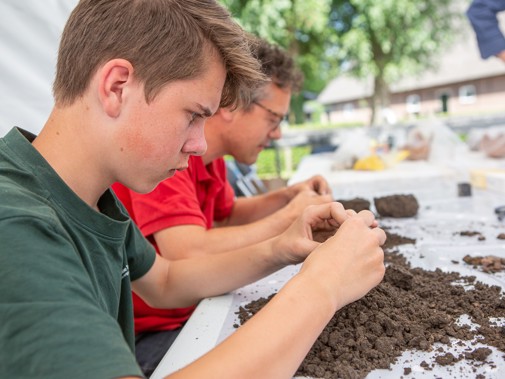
(438, 245)
(29, 36)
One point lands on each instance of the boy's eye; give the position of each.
(194, 116)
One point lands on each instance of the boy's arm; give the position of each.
(274, 342)
(184, 241)
(172, 284)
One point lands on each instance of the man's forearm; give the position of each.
(250, 209)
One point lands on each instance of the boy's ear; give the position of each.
(112, 81)
(226, 113)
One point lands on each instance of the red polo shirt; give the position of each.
(196, 196)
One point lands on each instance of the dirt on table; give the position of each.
(472, 233)
(398, 206)
(393, 240)
(411, 309)
(488, 263)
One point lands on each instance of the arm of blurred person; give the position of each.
(483, 18)
(493, 147)
(273, 343)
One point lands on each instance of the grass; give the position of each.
(269, 159)
(272, 163)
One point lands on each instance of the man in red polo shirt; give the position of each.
(196, 212)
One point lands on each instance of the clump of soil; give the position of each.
(488, 264)
(472, 233)
(411, 309)
(393, 240)
(398, 206)
(358, 204)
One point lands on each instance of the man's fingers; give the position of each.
(381, 235)
(326, 212)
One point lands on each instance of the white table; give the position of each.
(424, 179)
(214, 318)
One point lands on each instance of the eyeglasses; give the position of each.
(281, 117)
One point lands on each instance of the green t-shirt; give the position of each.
(65, 271)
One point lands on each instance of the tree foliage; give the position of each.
(300, 27)
(389, 39)
(385, 40)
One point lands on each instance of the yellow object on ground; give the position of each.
(375, 162)
(491, 178)
(370, 163)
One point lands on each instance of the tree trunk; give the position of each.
(381, 100)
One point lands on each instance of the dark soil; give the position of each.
(394, 240)
(411, 309)
(398, 206)
(358, 204)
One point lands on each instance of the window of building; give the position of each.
(348, 109)
(467, 94)
(413, 103)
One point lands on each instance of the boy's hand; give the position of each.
(315, 223)
(351, 262)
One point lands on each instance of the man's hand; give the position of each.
(322, 234)
(316, 183)
(304, 198)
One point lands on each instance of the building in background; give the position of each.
(463, 84)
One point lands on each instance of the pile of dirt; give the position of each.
(411, 309)
(398, 206)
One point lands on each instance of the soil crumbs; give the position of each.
(410, 309)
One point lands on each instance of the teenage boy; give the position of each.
(196, 213)
(135, 80)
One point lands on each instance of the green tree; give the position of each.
(389, 39)
(300, 27)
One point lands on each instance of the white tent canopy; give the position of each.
(29, 36)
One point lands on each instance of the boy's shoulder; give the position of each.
(18, 200)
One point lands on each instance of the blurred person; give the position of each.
(483, 18)
(196, 212)
(491, 41)
(134, 83)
